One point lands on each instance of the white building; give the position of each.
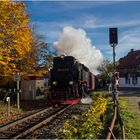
(129, 70)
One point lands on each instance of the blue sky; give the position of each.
(50, 17)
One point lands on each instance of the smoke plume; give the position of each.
(74, 42)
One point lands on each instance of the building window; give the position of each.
(134, 79)
(127, 78)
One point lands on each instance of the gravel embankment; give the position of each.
(50, 130)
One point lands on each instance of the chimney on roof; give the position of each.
(132, 50)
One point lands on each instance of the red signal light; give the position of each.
(113, 35)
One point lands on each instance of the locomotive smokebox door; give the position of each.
(113, 35)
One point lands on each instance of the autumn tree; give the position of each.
(15, 38)
(44, 52)
(105, 69)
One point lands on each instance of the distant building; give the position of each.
(32, 87)
(129, 70)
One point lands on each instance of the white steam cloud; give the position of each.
(74, 42)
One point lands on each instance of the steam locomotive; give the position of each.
(69, 80)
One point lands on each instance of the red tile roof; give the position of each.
(131, 60)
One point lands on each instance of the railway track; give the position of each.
(22, 127)
(50, 131)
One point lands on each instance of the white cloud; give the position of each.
(105, 23)
(86, 22)
(129, 40)
(90, 23)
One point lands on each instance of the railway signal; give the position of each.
(117, 79)
(17, 79)
(113, 35)
(116, 75)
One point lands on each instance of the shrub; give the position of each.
(88, 125)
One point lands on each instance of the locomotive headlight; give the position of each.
(71, 82)
(62, 56)
(54, 82)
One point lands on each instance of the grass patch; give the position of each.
(130, 118)
(128, 114)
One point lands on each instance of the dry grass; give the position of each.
(27, 107)
(14, 113)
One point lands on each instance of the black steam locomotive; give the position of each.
(69, 80)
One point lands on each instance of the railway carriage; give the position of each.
(69, 80)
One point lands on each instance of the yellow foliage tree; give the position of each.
(15, 38)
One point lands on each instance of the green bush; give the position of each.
(86, 126)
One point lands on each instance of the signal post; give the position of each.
(113, 36)
(17, 79)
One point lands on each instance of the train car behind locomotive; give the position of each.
(69, 80)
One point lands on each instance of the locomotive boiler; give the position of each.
(69, 80)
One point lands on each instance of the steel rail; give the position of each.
(36, 126)
(5, 127)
